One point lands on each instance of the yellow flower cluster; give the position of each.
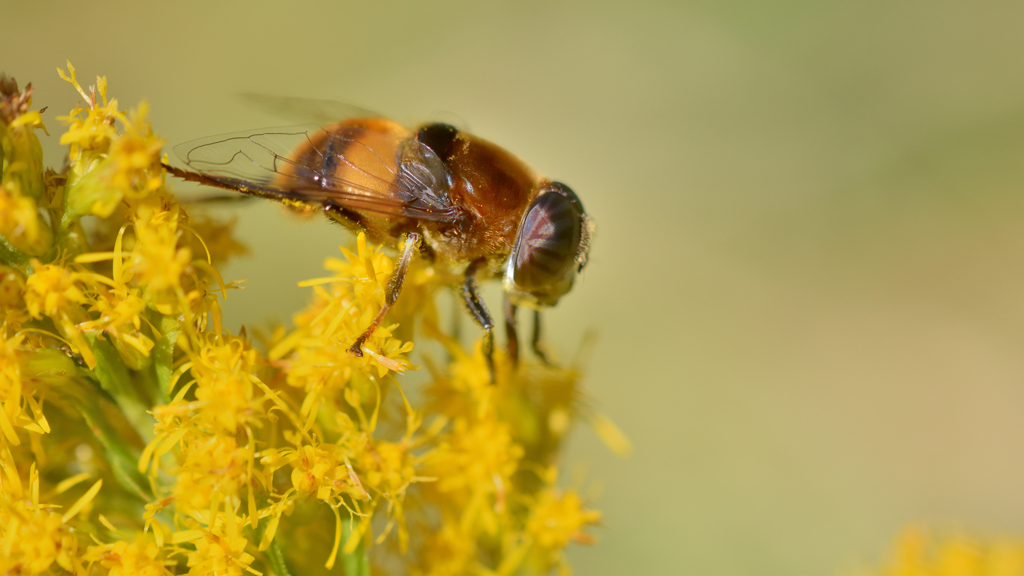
(919, 554)
(139, 436)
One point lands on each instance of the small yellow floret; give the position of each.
(139, 557)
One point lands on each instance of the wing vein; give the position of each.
(297, 164)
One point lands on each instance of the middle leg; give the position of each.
(478, 310)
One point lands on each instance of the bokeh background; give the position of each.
(808, 279)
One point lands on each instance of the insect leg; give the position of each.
(217, 199)
(510, 331)
(207, 181)
(535, 342)
(478, 310)
(394, 288)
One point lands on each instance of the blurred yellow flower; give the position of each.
(559, 518)
(21, 222)
(918, 553)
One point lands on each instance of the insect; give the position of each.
(452, 196)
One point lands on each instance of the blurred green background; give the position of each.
(808, 279)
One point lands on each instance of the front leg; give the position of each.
(394, 288)
(478, 310)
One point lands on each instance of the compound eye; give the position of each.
(544, 257)
(441, 138)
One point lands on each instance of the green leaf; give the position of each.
(11, 256)
(358, 562)
(117, 381)
(163, 352)
(277, 562)
(122, 457)
(273, 553)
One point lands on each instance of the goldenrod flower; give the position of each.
(25, 372)
(158, 262)
(214, 471)
(33, 537)
(140, 557)
(449, 552)
(557, 518)
(486, 457)
(219, 456)
(57, 292)
(225, 384)
(22, 221)
(118, 314)
(220, 551)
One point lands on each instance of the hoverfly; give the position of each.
(454, 197)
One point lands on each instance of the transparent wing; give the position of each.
(324, 112)
(303, 162)
(293, 109)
